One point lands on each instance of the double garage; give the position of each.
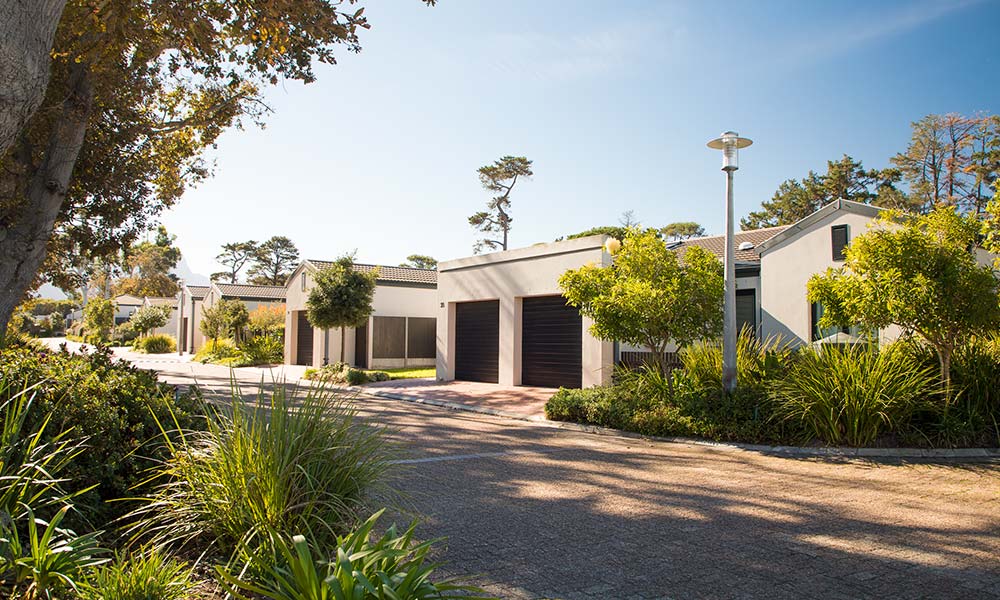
(504, 320)
(551, 342)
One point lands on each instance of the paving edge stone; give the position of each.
(791, 451)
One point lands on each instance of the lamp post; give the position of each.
(729, 142)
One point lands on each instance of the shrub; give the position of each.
(852, 396)
(110, 403)
(145, 575)
(340, 373)
(98, 319)
(263, 349)
(287, 464)
(159, 343)
(390, 566)
(757, 361)
(213, 351)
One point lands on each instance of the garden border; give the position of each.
(788, 451)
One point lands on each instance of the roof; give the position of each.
(716, 244)
(390, 275)
(586, 244)
(198, 292)
(798, 227)
(161, 301)
(246, 290)
(128, 300)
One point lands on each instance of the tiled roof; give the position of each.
(161, 301)
(242, 290)
(390, 274)
(198, 292)
(716, 243)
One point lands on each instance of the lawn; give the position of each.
(411, 372)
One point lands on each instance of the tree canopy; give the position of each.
(917, 272)
(845, 179)
(420, 261)
(138, 90)
(648, 296)
(682, 230)
(341, 296)
(273, 261)
(500, 178)
(148, 267)
(234, 256)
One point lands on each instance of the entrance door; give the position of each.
(551, 343)
(361, 347)
(304, 343)
(182, 346)
(477, 341)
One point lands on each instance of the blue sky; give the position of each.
(614, 102)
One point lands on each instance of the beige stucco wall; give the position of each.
(786, 268)
(509, 277)
(388, 301)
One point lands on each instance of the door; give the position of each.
(746, 311)
(361, 347)
(304, 342)
(477, 341)
(182, 346)
(551, 343)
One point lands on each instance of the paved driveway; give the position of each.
(537, 512)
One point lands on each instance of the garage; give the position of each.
(551, 343)
(304, 340)
(477, 341)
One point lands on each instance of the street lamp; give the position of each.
(730, 143)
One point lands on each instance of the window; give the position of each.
(838, 235)
(818, 333)
(303, 279)
(746, 310)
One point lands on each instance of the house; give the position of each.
(400, 332)
(197, 298)
(125, 305)
(502, 318)
(789, 258)
(172, 323)
(189, 335)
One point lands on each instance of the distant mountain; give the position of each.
(190, 277)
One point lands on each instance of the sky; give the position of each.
(614, 103)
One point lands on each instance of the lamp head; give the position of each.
(729, 142)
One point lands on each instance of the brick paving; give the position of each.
(534, 512)
(520, 400)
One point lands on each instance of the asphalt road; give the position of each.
(536, 512)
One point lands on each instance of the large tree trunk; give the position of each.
(27, 31)
(23, 245)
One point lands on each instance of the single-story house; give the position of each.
(400, 332)
(172, 325)
(250, 295)
(502, 318)
(189, 336)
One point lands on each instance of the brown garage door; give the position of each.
(304, 343)
(477, 341)
(551, 343)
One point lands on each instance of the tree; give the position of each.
(682, 230)
(267, 319)
(147, 318)
(648, 296)
(213, 323)
(420, 261)
(341, 297)
(845, 179)
(26, 34)
(148, 267)
(138, 90)
(500, 177)
(274, 261)
(948, 161)
(235, 256)
(224, 317)
(917, 272)
(99, 319)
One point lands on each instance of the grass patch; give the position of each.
(411, 373)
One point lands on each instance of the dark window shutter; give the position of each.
(838, 234)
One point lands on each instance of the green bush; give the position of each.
(147, 574)
(158, 343)
(286, 464)
(391, 566)
(216, 350)
(757, 361)
(111, 404)
(853, 396)
(340, 373)
(263, 349)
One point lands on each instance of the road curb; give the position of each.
(789, 451)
